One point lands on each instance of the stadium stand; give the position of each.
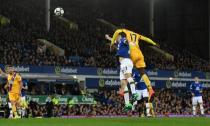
(19, 38)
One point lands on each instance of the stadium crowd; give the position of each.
(84, 47)
(109, 103)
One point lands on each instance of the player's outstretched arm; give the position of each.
(148, 40)
(108, 37)
(6, 85)
(3, 73)
(114, 37)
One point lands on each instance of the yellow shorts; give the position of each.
(14, 97)
(137, 58)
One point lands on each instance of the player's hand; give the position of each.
(193, 94)
(108, 37)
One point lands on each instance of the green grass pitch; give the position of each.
(107, 122)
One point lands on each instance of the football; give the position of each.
(59, 11)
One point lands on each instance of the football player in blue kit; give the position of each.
(143, 94)
(23, 99)
(126, 66)
(196, 91)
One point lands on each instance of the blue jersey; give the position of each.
(196, 89)
(140, 83)
(23, 91)
(123, 49)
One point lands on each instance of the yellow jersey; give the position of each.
(133, 40)
(132, 37)
(15, 83)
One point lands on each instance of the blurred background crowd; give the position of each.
(84, 46)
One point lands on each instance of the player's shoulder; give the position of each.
(18, 74)
(193, 83)
(9, 75)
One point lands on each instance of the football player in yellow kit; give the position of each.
(14, 86)
(135, 53)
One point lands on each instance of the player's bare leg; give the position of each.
(147, 82)
(201, 109)
(132, 86)
(14, 109)
(194, 110)
(23, 108)
(125, 93)
(152, 109)
(147, 106)
(10, 110)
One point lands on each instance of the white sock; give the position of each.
(134, 104)
(11, 113)
(202, 109)
(132, 85)
(194, 110)
(19, 111)
(126, 95)
(147, 109)
(23, 112)
(10, 105)
(10, 109)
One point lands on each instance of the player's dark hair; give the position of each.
(122, 34)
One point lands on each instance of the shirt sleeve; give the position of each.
(19, 78)
(148, 40)
(114, 37)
